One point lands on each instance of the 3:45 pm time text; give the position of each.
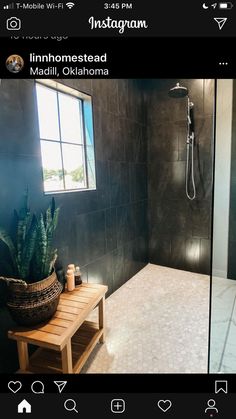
(125, 6)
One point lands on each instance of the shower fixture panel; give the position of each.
(179, 92)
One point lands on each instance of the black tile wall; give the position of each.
(105, 230)
(232, 211)
(139, 211)
(179, 230)
(119, 183)
(101, 271)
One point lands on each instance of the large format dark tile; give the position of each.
(122, 261)
(196, 93)
(138, 182)
(105, 94)
(205, 256)
(130, 100)
(170, 217)
(140, 252)
(167, 180)
(193, 254)
(101, 272)
(162, 142)
(102, 182)
(141, 218)
(163, 108)
(99, 141)
(125, 224)
(178, 251)
(204, 177)
(18, 120)
(128, 260)
(159, 248)
(90, 236)
(232, 260)
(209, 87)
(201, 219)
(119, 183)
(112, 141)
(19, 173)
(232, 216)
(135, 140)
(204, 131)
(181, 129)
(111, 229)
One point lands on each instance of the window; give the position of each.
(66, 138)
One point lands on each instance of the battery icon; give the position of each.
(226, 6)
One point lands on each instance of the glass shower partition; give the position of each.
(223, 289)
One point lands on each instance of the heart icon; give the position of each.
(14, 386)
(164, 405)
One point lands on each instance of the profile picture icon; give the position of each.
(14, 63)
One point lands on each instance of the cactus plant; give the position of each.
(31, 250)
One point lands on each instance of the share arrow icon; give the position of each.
(221, 21)
(61, 385)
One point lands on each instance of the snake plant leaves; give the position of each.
(32, 252)
(5, 238)
(28, 250)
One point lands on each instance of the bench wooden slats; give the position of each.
(67, 329)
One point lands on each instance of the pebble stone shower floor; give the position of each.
(157, 322)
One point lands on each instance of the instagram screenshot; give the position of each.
(117, 209)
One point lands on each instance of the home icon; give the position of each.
(24, 407)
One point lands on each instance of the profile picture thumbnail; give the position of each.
(14, 63)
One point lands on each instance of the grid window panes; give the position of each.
(67, 152)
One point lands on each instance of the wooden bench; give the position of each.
(67, 339)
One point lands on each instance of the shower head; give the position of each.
(178, 91)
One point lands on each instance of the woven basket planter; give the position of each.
(31, 304)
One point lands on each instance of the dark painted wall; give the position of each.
(179, 230)
(104, 231)
(232, 211)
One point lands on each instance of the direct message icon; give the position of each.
(220, 21)
(60, 385)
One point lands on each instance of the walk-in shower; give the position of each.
(177, 92)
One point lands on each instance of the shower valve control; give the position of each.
(190, 138)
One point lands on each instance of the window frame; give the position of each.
(81, 97)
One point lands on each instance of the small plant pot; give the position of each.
(31, 304)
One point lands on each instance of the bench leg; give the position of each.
(23, 355)
(101, 318)
(66, 357)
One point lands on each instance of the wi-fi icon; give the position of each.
(70, 5)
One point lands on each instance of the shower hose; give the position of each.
(190, 143)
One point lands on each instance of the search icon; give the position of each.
(70, 405)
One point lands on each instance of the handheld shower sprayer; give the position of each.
(178, 92)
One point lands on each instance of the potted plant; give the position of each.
(34, 289)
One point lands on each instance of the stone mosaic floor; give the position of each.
(157, 322)
(223, 329)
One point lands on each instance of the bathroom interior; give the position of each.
(151, 214)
